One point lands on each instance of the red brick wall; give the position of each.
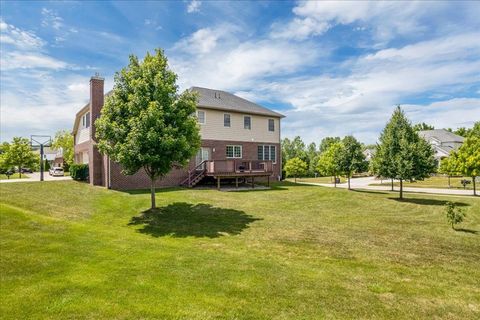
(140, 180)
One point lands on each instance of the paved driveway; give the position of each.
(364, 183)
(35, 177)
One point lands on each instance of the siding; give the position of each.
(83, 134)
(213, 128)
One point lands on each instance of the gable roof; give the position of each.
(222, 100)
(441, 135)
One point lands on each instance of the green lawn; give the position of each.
(440, 182)
(319, 180)
(13, 176)
(69, 250)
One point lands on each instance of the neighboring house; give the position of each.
(53, 156)
(240, 139)
(368, 153)
(442, 141)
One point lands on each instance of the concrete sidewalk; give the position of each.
(35, 177)
(364, 184)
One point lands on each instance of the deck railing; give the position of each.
(238, 166)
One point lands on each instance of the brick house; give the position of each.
(240, 140)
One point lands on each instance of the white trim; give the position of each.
(204, 117)
(229, 118)
(244, 116)
(233, 146)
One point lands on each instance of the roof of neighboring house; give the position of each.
(441, 135)
(222, 100)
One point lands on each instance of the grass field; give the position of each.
(69, 250)
(13, 176)
(439, 182)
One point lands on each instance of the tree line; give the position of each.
(401, 154)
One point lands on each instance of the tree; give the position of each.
(64, 141)
(295, 167)
(327, 142)
(19, 153)
(475, 131)
(449, 166)
(330, 161)
(423, 126)
(468, 159)
(293, 149)
(146, 123)
(454, 214)
(353, 159)
(312, 156)
(402, 154)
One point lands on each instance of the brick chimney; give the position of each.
(96, 165)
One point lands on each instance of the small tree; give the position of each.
(64, 141)
(19, 153)
(353, 159)
(454, 214)
(146, 123)
(468, 159)
(296, 167)
(330, 161)
(449, 166)
(402, 154)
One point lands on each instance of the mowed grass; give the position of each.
(438, 182)
(69, 250)
(13, 176)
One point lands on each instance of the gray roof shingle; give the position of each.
(222, 100)
(441, 134)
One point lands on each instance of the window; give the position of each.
(234, 151)
(201, 117)
(271, 125)
(267, 152)
(226, 120)
(86, 120)
(247, 122)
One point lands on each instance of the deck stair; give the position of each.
(195, 176)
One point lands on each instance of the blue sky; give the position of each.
(333, 68)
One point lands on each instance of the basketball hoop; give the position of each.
(40, 141)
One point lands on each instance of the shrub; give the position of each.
(79, 172)
(454, 215)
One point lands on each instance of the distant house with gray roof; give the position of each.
(442, 141)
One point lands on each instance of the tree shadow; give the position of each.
(368, 191)
(182, 219)
(147, 191)
(467, 230)
(429, 202)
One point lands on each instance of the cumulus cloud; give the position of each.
(21, 39)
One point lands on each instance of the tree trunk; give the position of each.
(401, 189)
(449, 181)
(152, 192)
(392, 185)
(474, 186)
(349, 183)
(295, 179)
(335, 181)
(19, 171)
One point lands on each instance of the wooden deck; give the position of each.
(228, 169)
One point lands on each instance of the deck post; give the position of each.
(268, 181)
(236, 182)
(253, 181)
(218, 183)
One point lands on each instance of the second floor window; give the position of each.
(201, 117)
(226, 120)
(247, 122)
(86, 120)
(271, 125)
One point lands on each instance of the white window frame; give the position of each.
(204, 117)
(229, 120)
(250, 122)
(269, 147)
(84, 120)
(268, 124)
(234, 146)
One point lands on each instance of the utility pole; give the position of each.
(39, 141)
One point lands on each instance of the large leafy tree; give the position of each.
(312, 156)
(19, 153)
(327, 142)
(422, 126)
(353, 159)
(330, 161)
(64, 141)
(146, 123)
(402, 154)
(468, 159)
(296, 167)
(293, 149)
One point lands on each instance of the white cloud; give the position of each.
(194, 6)
(200, 42)
(19, 38)
(24, 60)
(51, 19)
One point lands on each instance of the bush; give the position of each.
(79, 172)
(454, 215)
